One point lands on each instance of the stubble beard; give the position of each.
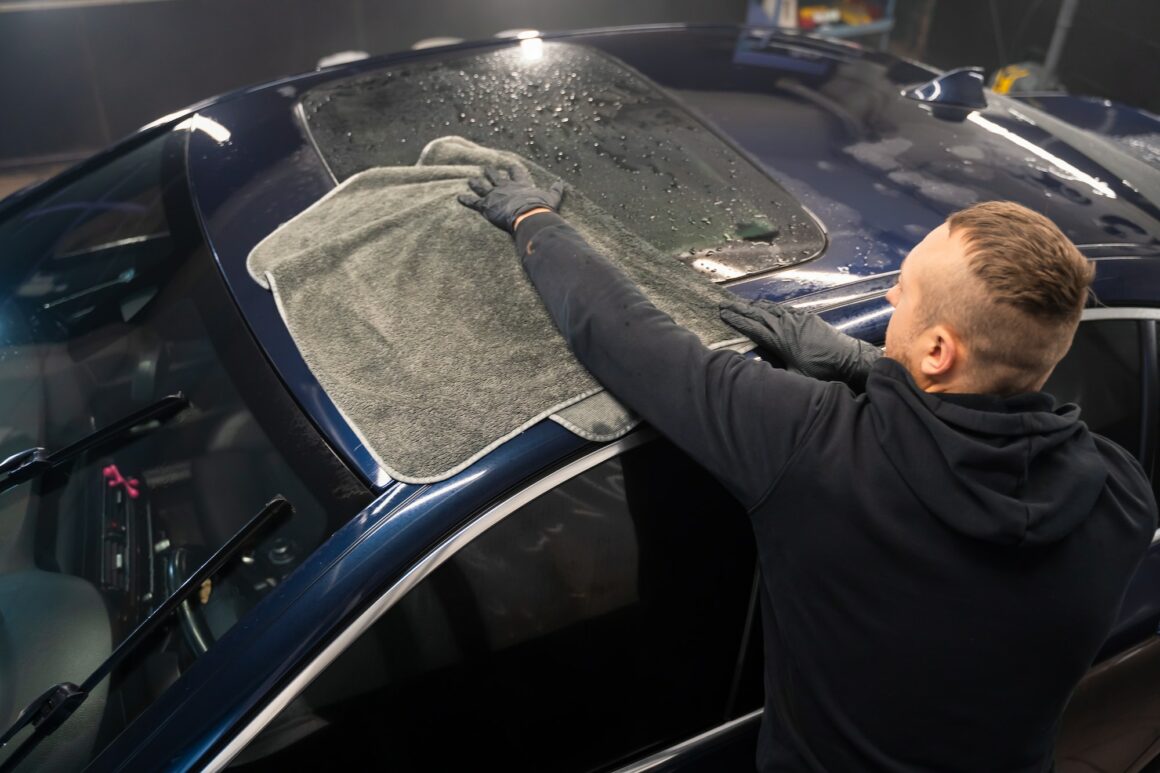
(898, 350)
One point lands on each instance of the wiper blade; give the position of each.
(51, 709)
(34, 462)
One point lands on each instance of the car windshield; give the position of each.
(604, 128)
(109, 301)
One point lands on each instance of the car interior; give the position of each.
(110, 314)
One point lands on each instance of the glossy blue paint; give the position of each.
(1101, 116)
(332, 587)
(879, 170)
(957, 88)
(254, 169)
(874, 202)
(826, 120)
(239, 167)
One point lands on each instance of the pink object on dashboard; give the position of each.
(115, 478)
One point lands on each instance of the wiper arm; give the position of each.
(34, 462)
(51, 709)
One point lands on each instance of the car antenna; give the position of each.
(34, 462)
(57, 704)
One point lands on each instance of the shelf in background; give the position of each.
(775, 13)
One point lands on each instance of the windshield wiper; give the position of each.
(34, 462)
(58, 703)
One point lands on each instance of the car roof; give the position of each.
(829, 122)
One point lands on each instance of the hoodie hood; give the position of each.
(1015, 470)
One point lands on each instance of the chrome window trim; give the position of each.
(824, 304)
(1124, 312)
(656, 760)
(832, 298)
(300, 114)
(425, 566)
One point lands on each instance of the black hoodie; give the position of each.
(938, 571)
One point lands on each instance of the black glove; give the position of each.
(803, 341)
(501, 198)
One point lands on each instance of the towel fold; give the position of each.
(415, 315)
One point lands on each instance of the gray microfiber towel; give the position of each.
(414, 313)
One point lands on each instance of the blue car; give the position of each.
(206, 564)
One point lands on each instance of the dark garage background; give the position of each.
(75, 79)
(1113, 49)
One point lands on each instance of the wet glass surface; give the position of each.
(600, 126)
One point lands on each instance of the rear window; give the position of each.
(602, 127)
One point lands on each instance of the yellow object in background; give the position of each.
(855, 13)
(1005, 78)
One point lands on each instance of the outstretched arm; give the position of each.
(737, 416)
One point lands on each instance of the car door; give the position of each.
(1113, 720)
(1111, 373)
(566, 630)
(597, 615)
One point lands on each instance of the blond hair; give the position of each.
(1033, 282)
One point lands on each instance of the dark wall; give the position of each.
(1112, 51)
(74, 80)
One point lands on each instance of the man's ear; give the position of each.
(942, 352)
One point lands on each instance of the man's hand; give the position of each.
(803, 341)
(502, 197)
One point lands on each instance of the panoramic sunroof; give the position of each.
(602, 127)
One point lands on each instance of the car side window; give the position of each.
(601, 620)
(1102, 374)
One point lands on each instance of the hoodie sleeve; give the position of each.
(737, 416)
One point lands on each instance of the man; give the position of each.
(943, 555)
